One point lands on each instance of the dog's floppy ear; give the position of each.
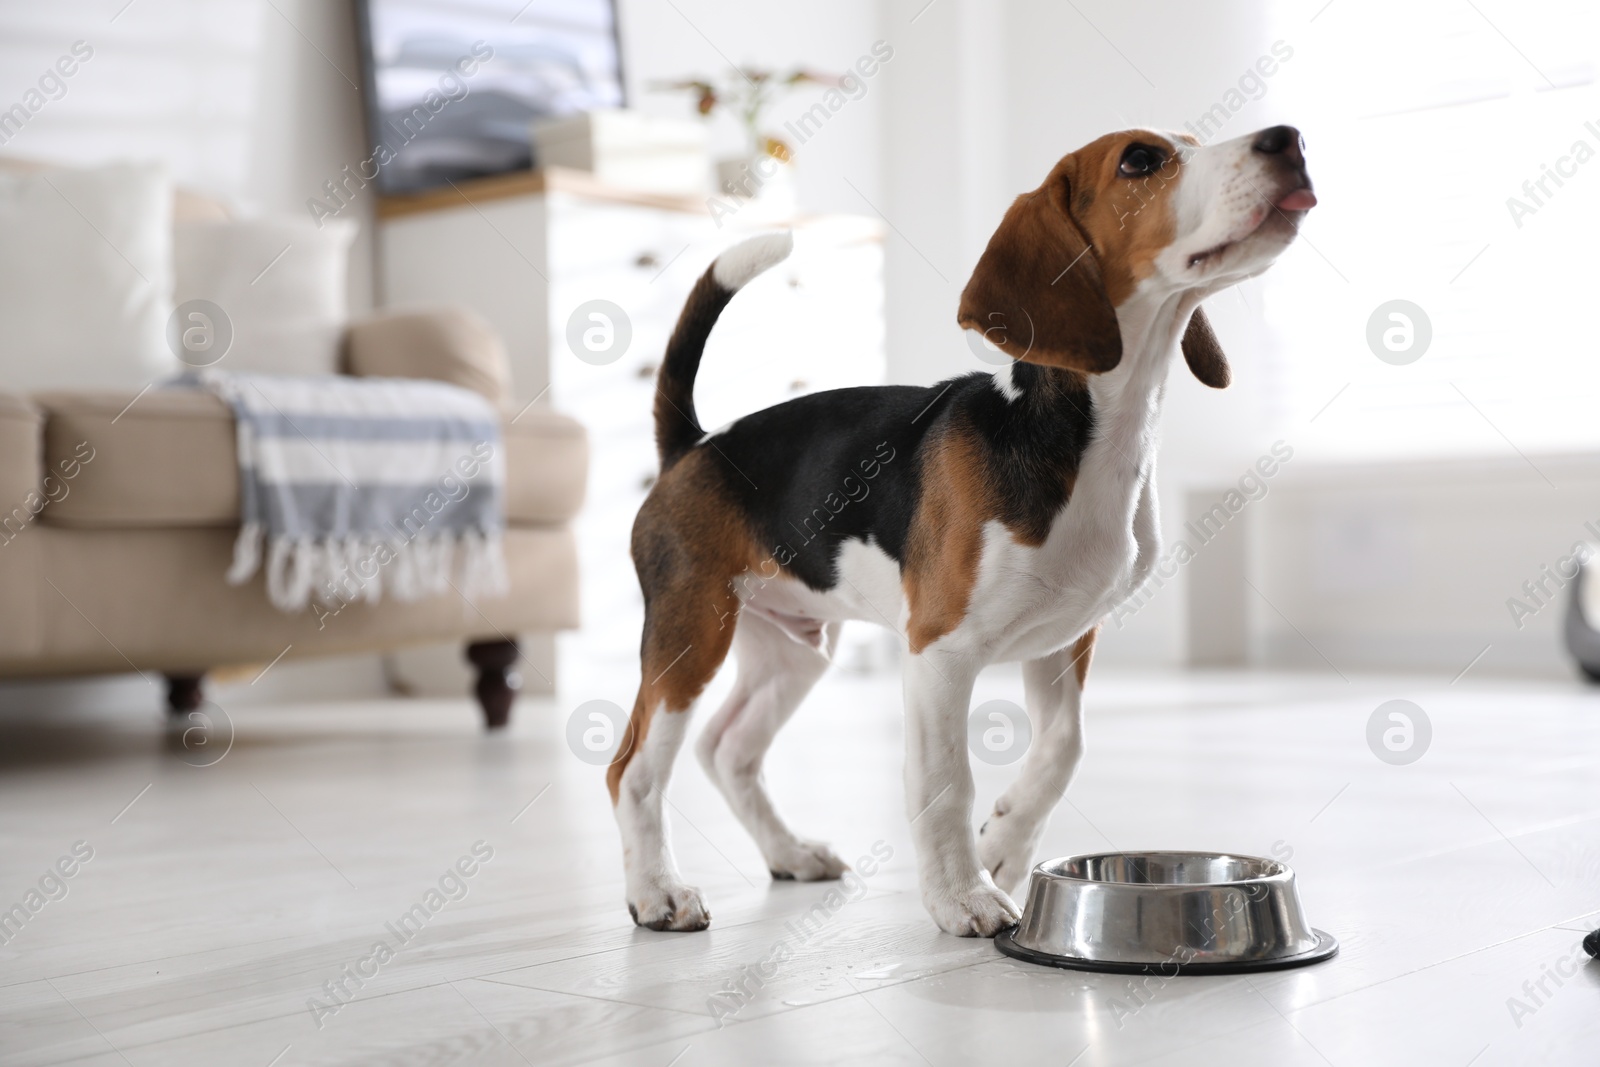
(1203, 353)
(1037, 293)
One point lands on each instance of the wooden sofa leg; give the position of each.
(185, 693)
(497, 682)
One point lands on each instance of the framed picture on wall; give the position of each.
(453, 86)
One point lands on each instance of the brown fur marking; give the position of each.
(1082, 653)
(946, 540)
(690, 542)
(1128, 221)
(1069, 253)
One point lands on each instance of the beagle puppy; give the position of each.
(989, 518)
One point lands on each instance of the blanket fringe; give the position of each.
(335, 572)
(246, 554)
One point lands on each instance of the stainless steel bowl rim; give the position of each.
(1114, 910)
(1280, 875)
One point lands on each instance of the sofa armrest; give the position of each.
(21, 452)
(446, 344)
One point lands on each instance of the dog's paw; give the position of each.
(669, 906)
(806, 861)
(1006, 850)
(978, 910)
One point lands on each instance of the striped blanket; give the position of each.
(353, 487)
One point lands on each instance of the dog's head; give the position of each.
(1142, 214)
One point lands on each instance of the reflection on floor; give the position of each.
(232, 912)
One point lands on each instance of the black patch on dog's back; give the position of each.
(822, 468)
(815, 471)
(1033, 445)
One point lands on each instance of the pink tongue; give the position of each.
(1299, 200)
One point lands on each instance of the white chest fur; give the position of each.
(1032, 600)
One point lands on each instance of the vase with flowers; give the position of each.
(763, 169)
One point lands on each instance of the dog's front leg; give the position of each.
(1054, 684)
(956, 890)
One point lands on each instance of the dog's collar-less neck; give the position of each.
(1128, 399)
(1150, 327)
(1060, 435)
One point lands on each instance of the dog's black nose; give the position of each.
(1275, 140)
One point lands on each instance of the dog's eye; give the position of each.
(1140, 160)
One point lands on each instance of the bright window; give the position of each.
(1423, 120)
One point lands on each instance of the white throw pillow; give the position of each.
(85, 277)
(281, 283)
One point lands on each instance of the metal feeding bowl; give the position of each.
(1164, 913)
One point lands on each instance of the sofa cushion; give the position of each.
(20, 544)
(166, 460)
(170, 459)
(85, 276)
(280, 281)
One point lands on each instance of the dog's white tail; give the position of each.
(735, 268)
(677, 427)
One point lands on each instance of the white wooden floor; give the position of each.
(222, 898)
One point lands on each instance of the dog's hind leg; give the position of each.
(676, 669)
(1054, 686)
(679, 659)
(775, 674)
(690, 544)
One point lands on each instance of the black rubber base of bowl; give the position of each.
(1327, 945)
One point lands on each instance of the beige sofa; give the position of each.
(118, 517)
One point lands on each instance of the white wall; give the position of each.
(309, 120)
(945, 177)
